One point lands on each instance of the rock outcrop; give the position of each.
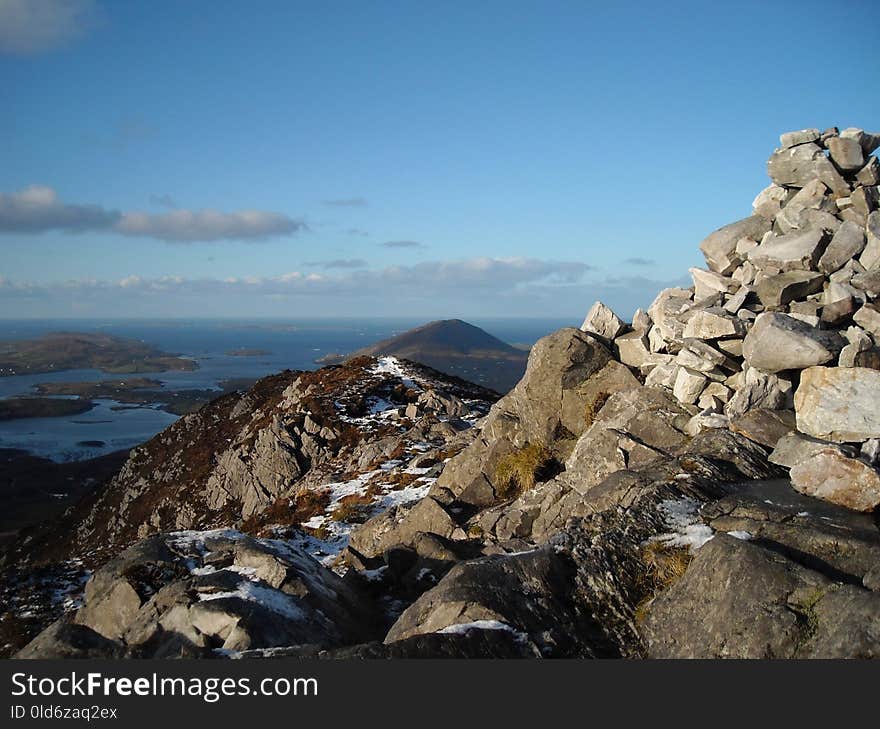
(727, 436)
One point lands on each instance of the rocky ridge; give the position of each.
(727, 436)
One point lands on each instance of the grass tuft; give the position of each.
(518, 471)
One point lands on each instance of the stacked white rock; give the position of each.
(785, 317)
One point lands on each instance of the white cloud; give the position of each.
(38, 209)
(487, 286)
(188, 226)
(36, 26)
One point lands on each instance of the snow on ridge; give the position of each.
(465, 628)
(682, 516)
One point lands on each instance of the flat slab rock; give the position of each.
(779, 609)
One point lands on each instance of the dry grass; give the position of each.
(664, 565)
(518, 471)
(594, 406)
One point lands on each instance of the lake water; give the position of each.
(294, 344)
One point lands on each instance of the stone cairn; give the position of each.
(778, 338)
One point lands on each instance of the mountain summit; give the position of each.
(455, 347)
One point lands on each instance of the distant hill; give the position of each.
(455, 347)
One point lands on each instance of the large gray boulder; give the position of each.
(64, 639)
(815, 532)
(191, 593)
(782, 288)
(567, 372)
(778, 609)
(840, 404)
(797, 251)
(847, 243)
(778, 342)
(798, 165)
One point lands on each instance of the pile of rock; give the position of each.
(778, 337)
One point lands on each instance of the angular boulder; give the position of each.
(840, 404)
(847, 243)
(778, 342)
(603, 322)
(797, 251)
(783, 288)
(833, 476)
(719, 248)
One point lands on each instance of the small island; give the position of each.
(60, 351)
(15, 408)
(132, 392)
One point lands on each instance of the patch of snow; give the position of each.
(465, 628)
(376, 575)
(274, 600)
(739, 534)
(682, 516)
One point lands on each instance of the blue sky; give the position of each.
(433, 159)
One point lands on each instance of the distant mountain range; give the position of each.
(454, 347)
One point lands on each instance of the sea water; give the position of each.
(289, 344)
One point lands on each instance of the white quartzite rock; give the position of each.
(840, 404)
(834, 477)
(603, 322)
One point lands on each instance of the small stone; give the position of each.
(796, 166)
(602, 322)
(811, 197)
(868, 317)
(846, 153)
(865, 200)
(707, 283)
(688, 385)
(868, 281)
(663, 375)
(769, 201)
(665, 311)
(778, 290)
(713, 323)
(869, 142)
(632, 349)
(641, 321)
(871, 451)
(870, 257)
(870, 173)
(738, 300)
(764, 426)
(733, 347)
(794, 448)
(758, 390)
(834, 477)
(838, 313)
